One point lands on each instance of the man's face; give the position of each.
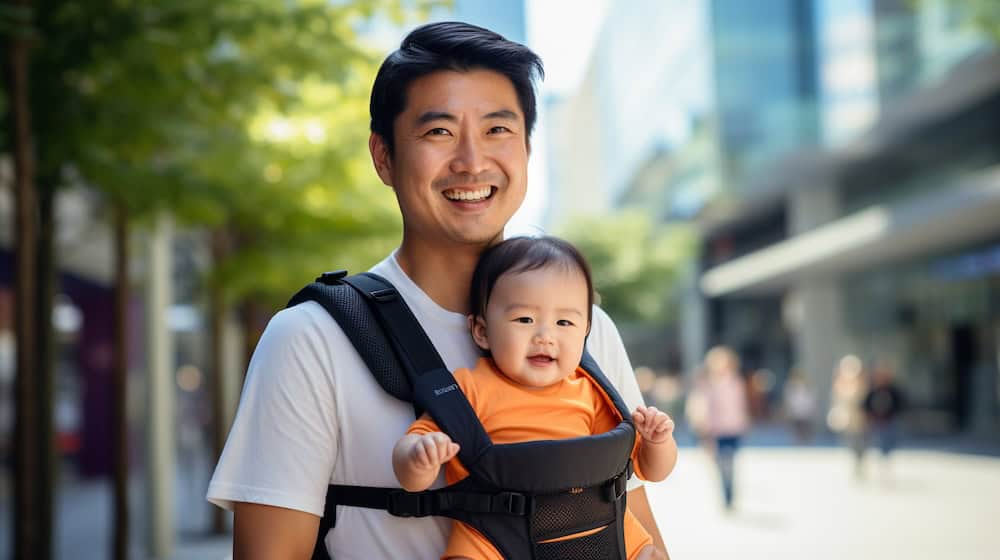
(460, 164)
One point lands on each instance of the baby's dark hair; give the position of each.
(521, 254)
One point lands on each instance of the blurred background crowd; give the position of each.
(792, 209)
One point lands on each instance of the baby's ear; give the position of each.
(477, 326)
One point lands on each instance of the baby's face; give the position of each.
(536, 324)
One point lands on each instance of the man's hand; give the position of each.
(416, 459)
(653, 425)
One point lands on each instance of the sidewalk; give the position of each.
(805, 503)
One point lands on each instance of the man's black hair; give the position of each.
(521, 254)
(455, 46)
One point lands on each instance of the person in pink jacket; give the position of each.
(727, 416)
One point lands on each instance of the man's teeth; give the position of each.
(479, 194)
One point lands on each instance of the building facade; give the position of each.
(842, 163)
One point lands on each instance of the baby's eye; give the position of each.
(564, 323)
(526, 320)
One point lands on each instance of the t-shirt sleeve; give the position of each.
(283, 442)
(606, 346)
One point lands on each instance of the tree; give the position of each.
(30, 501)
(122, 91)
(634, 262)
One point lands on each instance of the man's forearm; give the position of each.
(638, 504)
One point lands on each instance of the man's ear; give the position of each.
(381, 158)
(477, 326)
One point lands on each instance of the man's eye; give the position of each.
(438, 132)
(499, 129)
(526, 320)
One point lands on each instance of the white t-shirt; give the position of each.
(311, 414)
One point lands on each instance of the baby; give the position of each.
(531, 302)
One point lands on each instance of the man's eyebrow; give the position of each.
(505, 114)
(430, 116)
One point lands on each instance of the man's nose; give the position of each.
(470, 155)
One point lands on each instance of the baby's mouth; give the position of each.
(541, 359)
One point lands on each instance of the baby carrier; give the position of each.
(523, 497)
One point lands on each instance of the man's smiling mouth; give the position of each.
(475, 195)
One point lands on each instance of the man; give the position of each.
(452, 111)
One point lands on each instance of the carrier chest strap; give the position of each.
(401, 503)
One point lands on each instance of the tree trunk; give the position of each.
(45, 367)
(27, 537)
(251, 329)
(217, 368)
(120, 381)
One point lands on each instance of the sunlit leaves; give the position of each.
(635, 262)
(246, 117)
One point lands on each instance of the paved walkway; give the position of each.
(805, 503)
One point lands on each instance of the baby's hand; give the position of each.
(430, 451)
(653, 425)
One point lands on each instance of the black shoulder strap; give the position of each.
(403, 360)
(434, 387)
(350, 310)
(401, 356)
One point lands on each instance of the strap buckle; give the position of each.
(331, 278)
(387, 294)
(512, 503)
(615, 488)
(409, 504)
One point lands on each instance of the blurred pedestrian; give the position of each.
(696, 409)
(883, 404)
(847, 417)
(728, 413)
(799, 406)
(760, 392)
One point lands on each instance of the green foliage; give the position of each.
(635, 262)
(985, 15)
(245, 117)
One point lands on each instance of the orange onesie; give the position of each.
(513, 413)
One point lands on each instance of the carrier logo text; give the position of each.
(447, 389)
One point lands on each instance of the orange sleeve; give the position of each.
(423, 425)
(606, 418)
(635, 457)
